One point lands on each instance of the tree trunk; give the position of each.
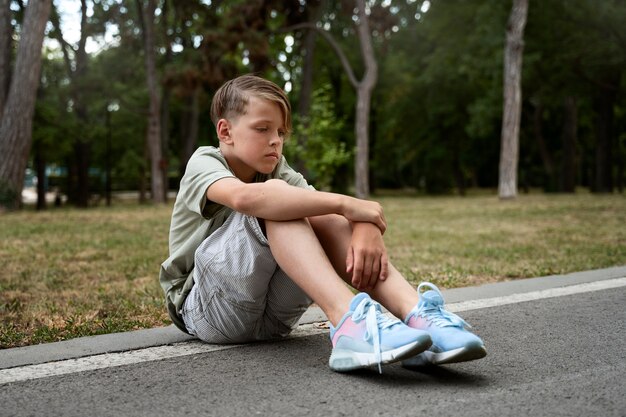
(509, 151)
(364, 97)
(142, 175)
(80, 193)
(570, 137)
(40, 168)
(82, 145)
(17, 119)
(361, 166)
(6, 45)
(153, 136)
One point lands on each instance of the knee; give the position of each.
(273, 227)
(331, 223)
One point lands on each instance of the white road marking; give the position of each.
(536, 295)
(107, 360)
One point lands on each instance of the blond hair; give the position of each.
(231, 99)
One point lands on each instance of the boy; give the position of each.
(252, 245)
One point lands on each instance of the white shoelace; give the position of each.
(436, 313)
(375, 321)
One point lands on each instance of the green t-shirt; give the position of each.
(194, 218)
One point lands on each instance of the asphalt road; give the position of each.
(560, 356)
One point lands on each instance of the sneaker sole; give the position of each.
(452, 356)
(347, 360)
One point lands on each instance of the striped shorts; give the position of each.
(240, 293)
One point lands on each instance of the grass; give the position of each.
(457, 242)
(68, 273)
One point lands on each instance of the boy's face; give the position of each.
(254, 140)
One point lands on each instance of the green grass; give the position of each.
(68, 273)
(459, 242)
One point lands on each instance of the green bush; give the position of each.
(315, 143)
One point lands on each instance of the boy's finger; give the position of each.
(350, 260)
(357, 272)
(384, 267)
(382, 225)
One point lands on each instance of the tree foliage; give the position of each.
(322, 153)
(436, 110)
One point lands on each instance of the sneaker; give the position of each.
(452, 342)
(365, 336)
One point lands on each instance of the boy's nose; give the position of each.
(275, 139)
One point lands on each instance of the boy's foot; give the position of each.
(451, 341)
(365, 336)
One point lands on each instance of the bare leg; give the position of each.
(299, 253)
(395, 293)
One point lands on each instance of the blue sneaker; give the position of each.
(365, 336)
(452, 342)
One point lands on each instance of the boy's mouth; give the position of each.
(272, 155)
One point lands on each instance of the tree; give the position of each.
(306, 86)
(54, 128)
(574, 60)
(323, 153)
(153, 135)
(76, 62)
(363, 87)
(509, 151)
(363, 102)
(438, 105)
(17, 117)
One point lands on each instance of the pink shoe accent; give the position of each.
(418, 322)
(351, 329)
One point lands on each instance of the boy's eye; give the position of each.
(261, 129)
(282, 133)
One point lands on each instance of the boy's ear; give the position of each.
(223, 131)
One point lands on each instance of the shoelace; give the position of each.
(375, 321)
(436, 313)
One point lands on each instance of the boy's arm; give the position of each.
(279, 201)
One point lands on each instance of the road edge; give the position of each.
(140, 339)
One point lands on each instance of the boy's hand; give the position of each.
(367, 256)
(365, 211)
